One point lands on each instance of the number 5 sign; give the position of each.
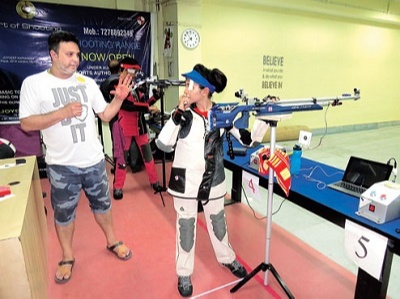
(365, 248)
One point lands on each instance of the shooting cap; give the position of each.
(199, 79)
(130, 63)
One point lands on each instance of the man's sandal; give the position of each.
(119, 249)
(65, 268)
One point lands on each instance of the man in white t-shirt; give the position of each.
(61, 104)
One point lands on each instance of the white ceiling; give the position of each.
(380, 11)
(381, 6)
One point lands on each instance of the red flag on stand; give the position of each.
(279, 162)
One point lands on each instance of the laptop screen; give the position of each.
(365, 173)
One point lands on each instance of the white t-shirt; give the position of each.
(73, 141)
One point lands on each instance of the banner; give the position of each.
(104, 34)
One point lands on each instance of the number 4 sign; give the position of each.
(365, 248)
(251, 185)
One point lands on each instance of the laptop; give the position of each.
(360, 174)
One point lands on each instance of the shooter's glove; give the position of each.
(157, 93)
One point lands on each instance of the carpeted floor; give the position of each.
(148, 228)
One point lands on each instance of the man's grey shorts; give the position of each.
(66, 185)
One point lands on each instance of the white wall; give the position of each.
(323, 56)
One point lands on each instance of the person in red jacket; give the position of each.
(132, 124)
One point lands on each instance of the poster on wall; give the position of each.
(104, 34)
(168, 38)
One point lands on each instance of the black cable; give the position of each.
(394, 162)
(248, 203)
(326, 129)
(273, 213)
(254, 212)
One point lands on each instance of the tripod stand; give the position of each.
(266, 265)
(224, 116)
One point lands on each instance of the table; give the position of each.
(328, 204)
(23, 232)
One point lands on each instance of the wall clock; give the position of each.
(190, 38)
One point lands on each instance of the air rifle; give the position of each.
(224, 115)
(155, 81)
